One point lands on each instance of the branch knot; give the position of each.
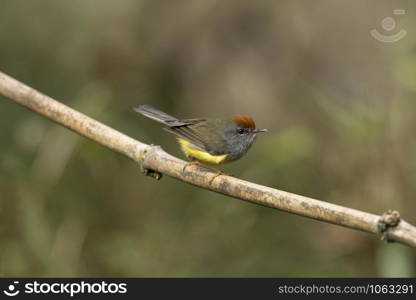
(387, 221)
(146, 171)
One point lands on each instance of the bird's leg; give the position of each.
(218, 172)
(190, 163)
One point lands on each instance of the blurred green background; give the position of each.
(339, 105)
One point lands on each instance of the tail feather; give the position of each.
(180, 128)
(155, 114)
(164, 118)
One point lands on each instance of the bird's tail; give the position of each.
(155, 114)
(161, 117)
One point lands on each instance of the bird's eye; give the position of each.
(241, 130)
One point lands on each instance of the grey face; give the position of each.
(239, 140)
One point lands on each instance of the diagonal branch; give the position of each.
(154, 161)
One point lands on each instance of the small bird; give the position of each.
(208, 141)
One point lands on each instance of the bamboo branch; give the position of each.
(154, 162)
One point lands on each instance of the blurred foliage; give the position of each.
(339, 106)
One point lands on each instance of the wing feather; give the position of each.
(203, 136)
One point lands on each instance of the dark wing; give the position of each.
(203, 136)
(188, 134)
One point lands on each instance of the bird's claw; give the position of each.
(195, 162)
(219, 173)
(190, 163)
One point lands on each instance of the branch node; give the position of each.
(388, 221)
(146, 171)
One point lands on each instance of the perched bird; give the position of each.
(208, 141)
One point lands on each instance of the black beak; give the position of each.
(258, 130)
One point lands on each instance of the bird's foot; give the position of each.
(219, 173)
(197, 163)
(190, 163)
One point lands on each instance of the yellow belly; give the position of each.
(199, 155)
